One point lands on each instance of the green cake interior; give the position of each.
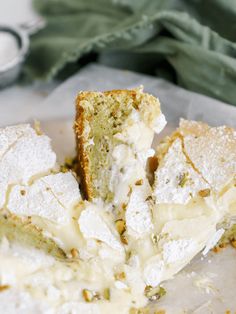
(104, 117)
(22, 231)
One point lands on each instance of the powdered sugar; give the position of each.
(177, 250)
(50, 197)
(213, 152)
(138, 212)
(24, 154)
(153, 270)
(93, 226)
(175, 179)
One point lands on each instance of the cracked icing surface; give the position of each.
(93, 226)
(175, 179)
(10, 134)
(138, 212)
(50, 197)
(23, 155)
(212, 151)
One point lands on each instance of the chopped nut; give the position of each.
(120, 276)
(216, 249)
(124, 239)
(37, 127)
(182, 179)
(4, 287)
(149, 198)
(63, 169)
(204, 193)
(107, 294)
(128, 255)
(120, 226)
(69, 164)
(154, 294)
(74, 252)
(233, 243)
(222, 245)
(22, 192)
(143, 310)
(124, 206)
(139, 182)
(160, 312)
(154, 238)
(153, 163)
(88, 295)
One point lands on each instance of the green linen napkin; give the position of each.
(191, 42)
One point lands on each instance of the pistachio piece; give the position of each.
(153, 163)
(4, 287)
(182, 179)
(124, 239)
(233, 243)
(139, 182)
(154, 238)
(87, 295)
(204, 193)
(160, 312)
(120, 226)
(143, 310)
(154, 294)
(120, 276)
(107, 294)
(74, 253)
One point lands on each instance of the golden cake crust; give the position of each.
(79, 126)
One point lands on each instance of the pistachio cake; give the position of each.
(114, 132)
(37, 201)
(119, 257)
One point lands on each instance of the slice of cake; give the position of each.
(194, 191)
(114, 133)
(37, 202)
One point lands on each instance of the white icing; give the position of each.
(50, 197)
(93, 226)
(120, 285)
(11, 134)
(79, 307)
(178, 250)
(168, 187)
(126, 170)
(153, 270)
(212, 151)
(159, 123)
(138, 213)
(24, 154)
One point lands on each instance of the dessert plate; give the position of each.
(207, 284)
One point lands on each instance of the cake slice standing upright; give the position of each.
(114, 133)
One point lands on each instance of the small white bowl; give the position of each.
(10, 71)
